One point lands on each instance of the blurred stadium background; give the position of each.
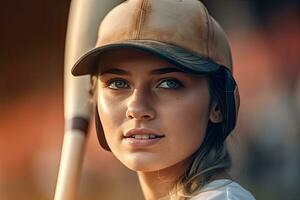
(265, 39)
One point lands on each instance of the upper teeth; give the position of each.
(148, 136)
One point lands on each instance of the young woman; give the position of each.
(165, 97)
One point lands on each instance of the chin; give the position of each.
(143, 161)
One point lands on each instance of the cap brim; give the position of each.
(186, 60)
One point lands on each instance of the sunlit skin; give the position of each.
(173, 102)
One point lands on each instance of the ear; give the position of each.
(215, 115)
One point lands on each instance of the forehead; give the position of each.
(130, 59)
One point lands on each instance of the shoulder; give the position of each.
(223, 189)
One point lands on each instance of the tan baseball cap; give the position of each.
(180, 31)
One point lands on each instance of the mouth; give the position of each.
(142, 138)
(143, 134)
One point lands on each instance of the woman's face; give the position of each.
(137, 90)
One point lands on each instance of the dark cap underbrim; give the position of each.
(186, 60)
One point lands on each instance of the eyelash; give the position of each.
(179, 84)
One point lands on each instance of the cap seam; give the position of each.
(208, 31)
(141, 18)
(135, 32)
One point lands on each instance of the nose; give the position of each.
(139, 106)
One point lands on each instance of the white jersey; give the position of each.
(223, 189)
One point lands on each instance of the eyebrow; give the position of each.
(153, 72)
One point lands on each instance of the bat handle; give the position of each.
(71, 160)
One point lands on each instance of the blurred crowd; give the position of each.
(265, 146)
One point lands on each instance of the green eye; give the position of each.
(118, 84)
(171, 84)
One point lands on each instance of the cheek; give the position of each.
(189, 121)
(111, 115)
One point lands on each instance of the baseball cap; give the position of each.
(180, 31)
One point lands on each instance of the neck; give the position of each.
(157, 184)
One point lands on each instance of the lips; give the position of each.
(142, 133)
(142, 138)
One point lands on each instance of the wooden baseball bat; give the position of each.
(84, 19)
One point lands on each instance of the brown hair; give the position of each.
(212, 157)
